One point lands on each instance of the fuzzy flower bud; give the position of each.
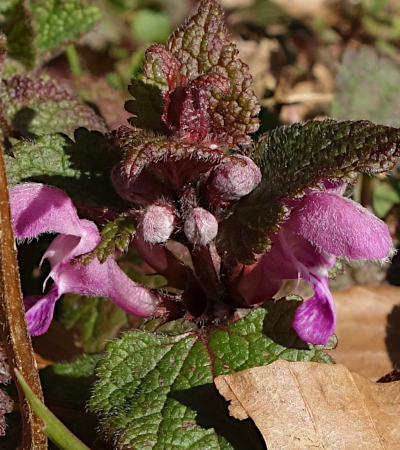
(232, 180)
(200, 226)
(142, 191)
(157, 224)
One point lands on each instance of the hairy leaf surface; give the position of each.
(293, 158)
(200, 79)
(80, 167)
(155, 390)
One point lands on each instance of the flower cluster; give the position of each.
(180, 184)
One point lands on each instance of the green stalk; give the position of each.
(73, 60)
(53, 427)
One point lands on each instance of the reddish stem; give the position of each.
(15, 336)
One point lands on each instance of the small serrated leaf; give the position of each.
(60, 21)
(153, 390)
(38, 107)
(147, 106)
(292, 158)
(116, 235)
(205, 87)
(202, 44)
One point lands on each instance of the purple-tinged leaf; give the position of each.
(173, 161)
(198, 84)
(38, 107)
(292, 158)
(203, 47)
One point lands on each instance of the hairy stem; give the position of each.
(15, 336)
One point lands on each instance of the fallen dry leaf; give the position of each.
(304, 405)
(368, 329)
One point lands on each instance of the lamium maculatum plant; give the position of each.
(223, 217)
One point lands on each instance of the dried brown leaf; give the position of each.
(368, 329)
(304, 405)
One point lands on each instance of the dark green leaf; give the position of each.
(81, 168)
(147, 106)
(292, 158)
(155, 390)
(116, 235)
(21, 34)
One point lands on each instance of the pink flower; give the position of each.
(37, 209)
(322, 225)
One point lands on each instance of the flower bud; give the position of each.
(232, 180)
(142, 191)
(157, 224)
(200, 226)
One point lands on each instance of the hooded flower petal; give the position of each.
(322, 225)
(106, 280)
(340, 226)
(36, 209)
(315, 319)
(40, 310)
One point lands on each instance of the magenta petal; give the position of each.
(40, 310)
(340, 227)
(37, 208)
(105, 280)
(315, 319)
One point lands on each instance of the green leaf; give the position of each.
(367, 87)
(81, 168)
(116, 235)
(292, 158)
(61, 21)
(147, 106)
(384, 198)
(37, 107)
(155, 390)
(149, 25)
(36, 27)
(100, 320)
(53, 428)
(46, 156)
(21, 34)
